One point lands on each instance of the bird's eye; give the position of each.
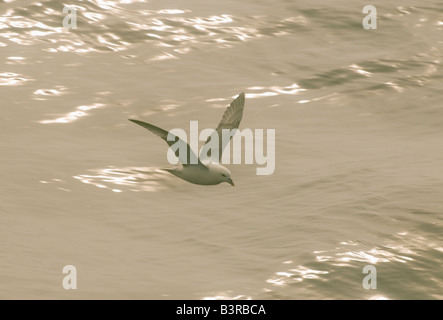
(223, 175)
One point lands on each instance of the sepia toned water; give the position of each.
(358, 179)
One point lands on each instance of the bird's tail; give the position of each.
(172, 170)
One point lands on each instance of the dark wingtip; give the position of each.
(242, 97)
(136, 121)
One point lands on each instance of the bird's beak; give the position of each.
(231, 182)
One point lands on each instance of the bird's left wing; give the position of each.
(185, 159)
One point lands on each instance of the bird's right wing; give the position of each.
(184, 159)
(229, 122)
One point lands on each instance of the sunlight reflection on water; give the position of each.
(126, 179)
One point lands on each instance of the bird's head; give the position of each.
(222, 173)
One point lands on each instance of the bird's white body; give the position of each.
(209, 174)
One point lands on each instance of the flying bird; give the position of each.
(210, 173)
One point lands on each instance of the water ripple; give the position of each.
(44, 94)
(79, 112)
(12, 79)
(404, 248)
(172, 28)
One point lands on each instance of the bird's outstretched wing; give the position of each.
(184, 159)
(231, 120)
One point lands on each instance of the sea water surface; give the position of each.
(358, 180)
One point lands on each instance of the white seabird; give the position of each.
(199, 173)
